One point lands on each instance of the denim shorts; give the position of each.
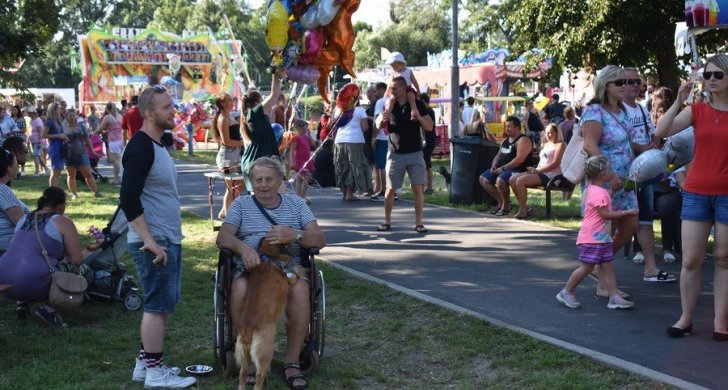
(505, 175)
(646, 204)
(161, 283)
(704, 208)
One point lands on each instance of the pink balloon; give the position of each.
(305, 74)
(313, 42)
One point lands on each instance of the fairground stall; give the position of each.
(117, 64)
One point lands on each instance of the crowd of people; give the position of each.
(365, 153)
(154, 51)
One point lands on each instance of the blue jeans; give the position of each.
(161, 284)
(704, 208)
(646, 204)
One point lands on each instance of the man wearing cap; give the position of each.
(406, 156)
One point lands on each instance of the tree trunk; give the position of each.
(667, 71)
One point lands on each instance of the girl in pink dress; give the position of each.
(302, 163)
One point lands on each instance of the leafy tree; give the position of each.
(593, 33)
(26, 27)
(418, 34)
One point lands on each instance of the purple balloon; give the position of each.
(305, 74)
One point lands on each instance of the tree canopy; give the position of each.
(33, 24)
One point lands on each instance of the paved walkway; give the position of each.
(508, 271)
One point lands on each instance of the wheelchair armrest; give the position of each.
(224, 252)
(314, 250)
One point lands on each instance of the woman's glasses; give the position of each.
(718, 75)
(619, 83)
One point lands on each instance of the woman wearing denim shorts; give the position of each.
(705, 195)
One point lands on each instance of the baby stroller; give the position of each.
(111, 281)
(98, 145)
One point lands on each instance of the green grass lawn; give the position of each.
(376, 338)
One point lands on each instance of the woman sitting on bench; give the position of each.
(549, 165)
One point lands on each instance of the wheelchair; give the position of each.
(226, 336)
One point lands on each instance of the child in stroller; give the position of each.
(111, 281)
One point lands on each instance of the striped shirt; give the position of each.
(7, 227)
(253, 226)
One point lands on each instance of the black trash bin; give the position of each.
(472, 155)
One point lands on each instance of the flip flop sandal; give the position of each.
(384, 227)
(249, 380)
(420, 229)
(661, 277)
(493, 211)
(502, 213)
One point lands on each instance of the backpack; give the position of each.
(574, 159)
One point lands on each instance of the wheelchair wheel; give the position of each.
(314, 348)
(224, 339)
(319, 320)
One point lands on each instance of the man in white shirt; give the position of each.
(639, 117)
(7, 124)
(468, 111)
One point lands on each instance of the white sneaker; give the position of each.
(638, 258)
(165, 378)
(140, 371)
(617, 302)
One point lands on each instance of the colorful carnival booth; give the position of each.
(119, 63)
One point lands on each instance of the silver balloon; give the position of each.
(680, 148)
(327, 10)
(648, 165)
(309, 19)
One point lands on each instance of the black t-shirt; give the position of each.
(430, 136)
(408, 130)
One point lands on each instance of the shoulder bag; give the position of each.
(574, 159)
(67, 288)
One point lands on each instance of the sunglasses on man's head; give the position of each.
(157, 88)
(718, 75)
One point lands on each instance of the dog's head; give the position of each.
(282, 256)
(280, 252)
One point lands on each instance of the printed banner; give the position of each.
(116, 68)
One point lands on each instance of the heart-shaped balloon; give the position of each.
(648, 165)
(313, 42)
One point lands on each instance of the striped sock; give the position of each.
(141, 351)
(153, 360)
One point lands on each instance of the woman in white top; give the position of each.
(350, 164)
(549, 166)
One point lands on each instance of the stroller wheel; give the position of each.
(132, 301)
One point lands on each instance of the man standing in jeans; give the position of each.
(150, 201)
(405, 153)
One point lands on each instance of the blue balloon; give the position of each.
(277, 131)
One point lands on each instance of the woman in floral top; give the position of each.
(607, 132)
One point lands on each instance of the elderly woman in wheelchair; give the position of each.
(279, 219)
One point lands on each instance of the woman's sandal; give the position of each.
(384, 227)
(295, 377)
(420, 229)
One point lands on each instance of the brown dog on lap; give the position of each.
(265, 303)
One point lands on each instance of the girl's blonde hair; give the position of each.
(594, 166)
(721, 61)
(559, 134)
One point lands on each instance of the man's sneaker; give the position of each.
(140, 371)
(74, 196)
(429, 191)
(567, 299)
(51, 318)
(377, 198)
(98, 194)
(165, 378)
(617, 302)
